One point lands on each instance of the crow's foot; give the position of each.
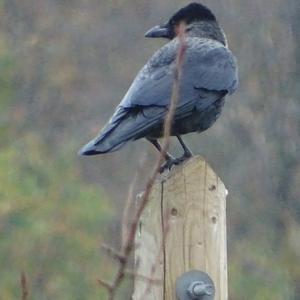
(170, 162)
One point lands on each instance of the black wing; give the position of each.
(207, 65)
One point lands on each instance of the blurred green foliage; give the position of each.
(51, 222)
(257, 270)
(50, 226)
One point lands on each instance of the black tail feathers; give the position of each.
(124, 126)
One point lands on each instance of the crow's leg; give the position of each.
(156, 144)
(187, 153)
(170, 159)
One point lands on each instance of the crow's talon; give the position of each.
(169, 163)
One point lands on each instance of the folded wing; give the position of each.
(208, 66)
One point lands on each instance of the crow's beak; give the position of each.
(160, 31)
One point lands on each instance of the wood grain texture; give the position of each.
(148, 252)
(194, 199)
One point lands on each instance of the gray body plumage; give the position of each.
(209, 73)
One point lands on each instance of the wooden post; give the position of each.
(183, 228)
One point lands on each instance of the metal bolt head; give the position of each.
(197, 289)
(195, 285)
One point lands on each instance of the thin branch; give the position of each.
(126, 214)
(113, 253)
(24, 286)
(129, 204)
(143, 277)
(105, 284)
(129, 243)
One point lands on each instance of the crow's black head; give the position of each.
(194, 12)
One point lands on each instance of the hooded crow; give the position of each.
(209, 73)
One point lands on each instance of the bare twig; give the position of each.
(143, 277)
(175, 91)
(126, 214)
(129, 242)
(113, 253)
(24, 286)
(129, 204)
(105, 284)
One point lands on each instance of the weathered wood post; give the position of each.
(183, 228)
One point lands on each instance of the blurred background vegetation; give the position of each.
(64, 66)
